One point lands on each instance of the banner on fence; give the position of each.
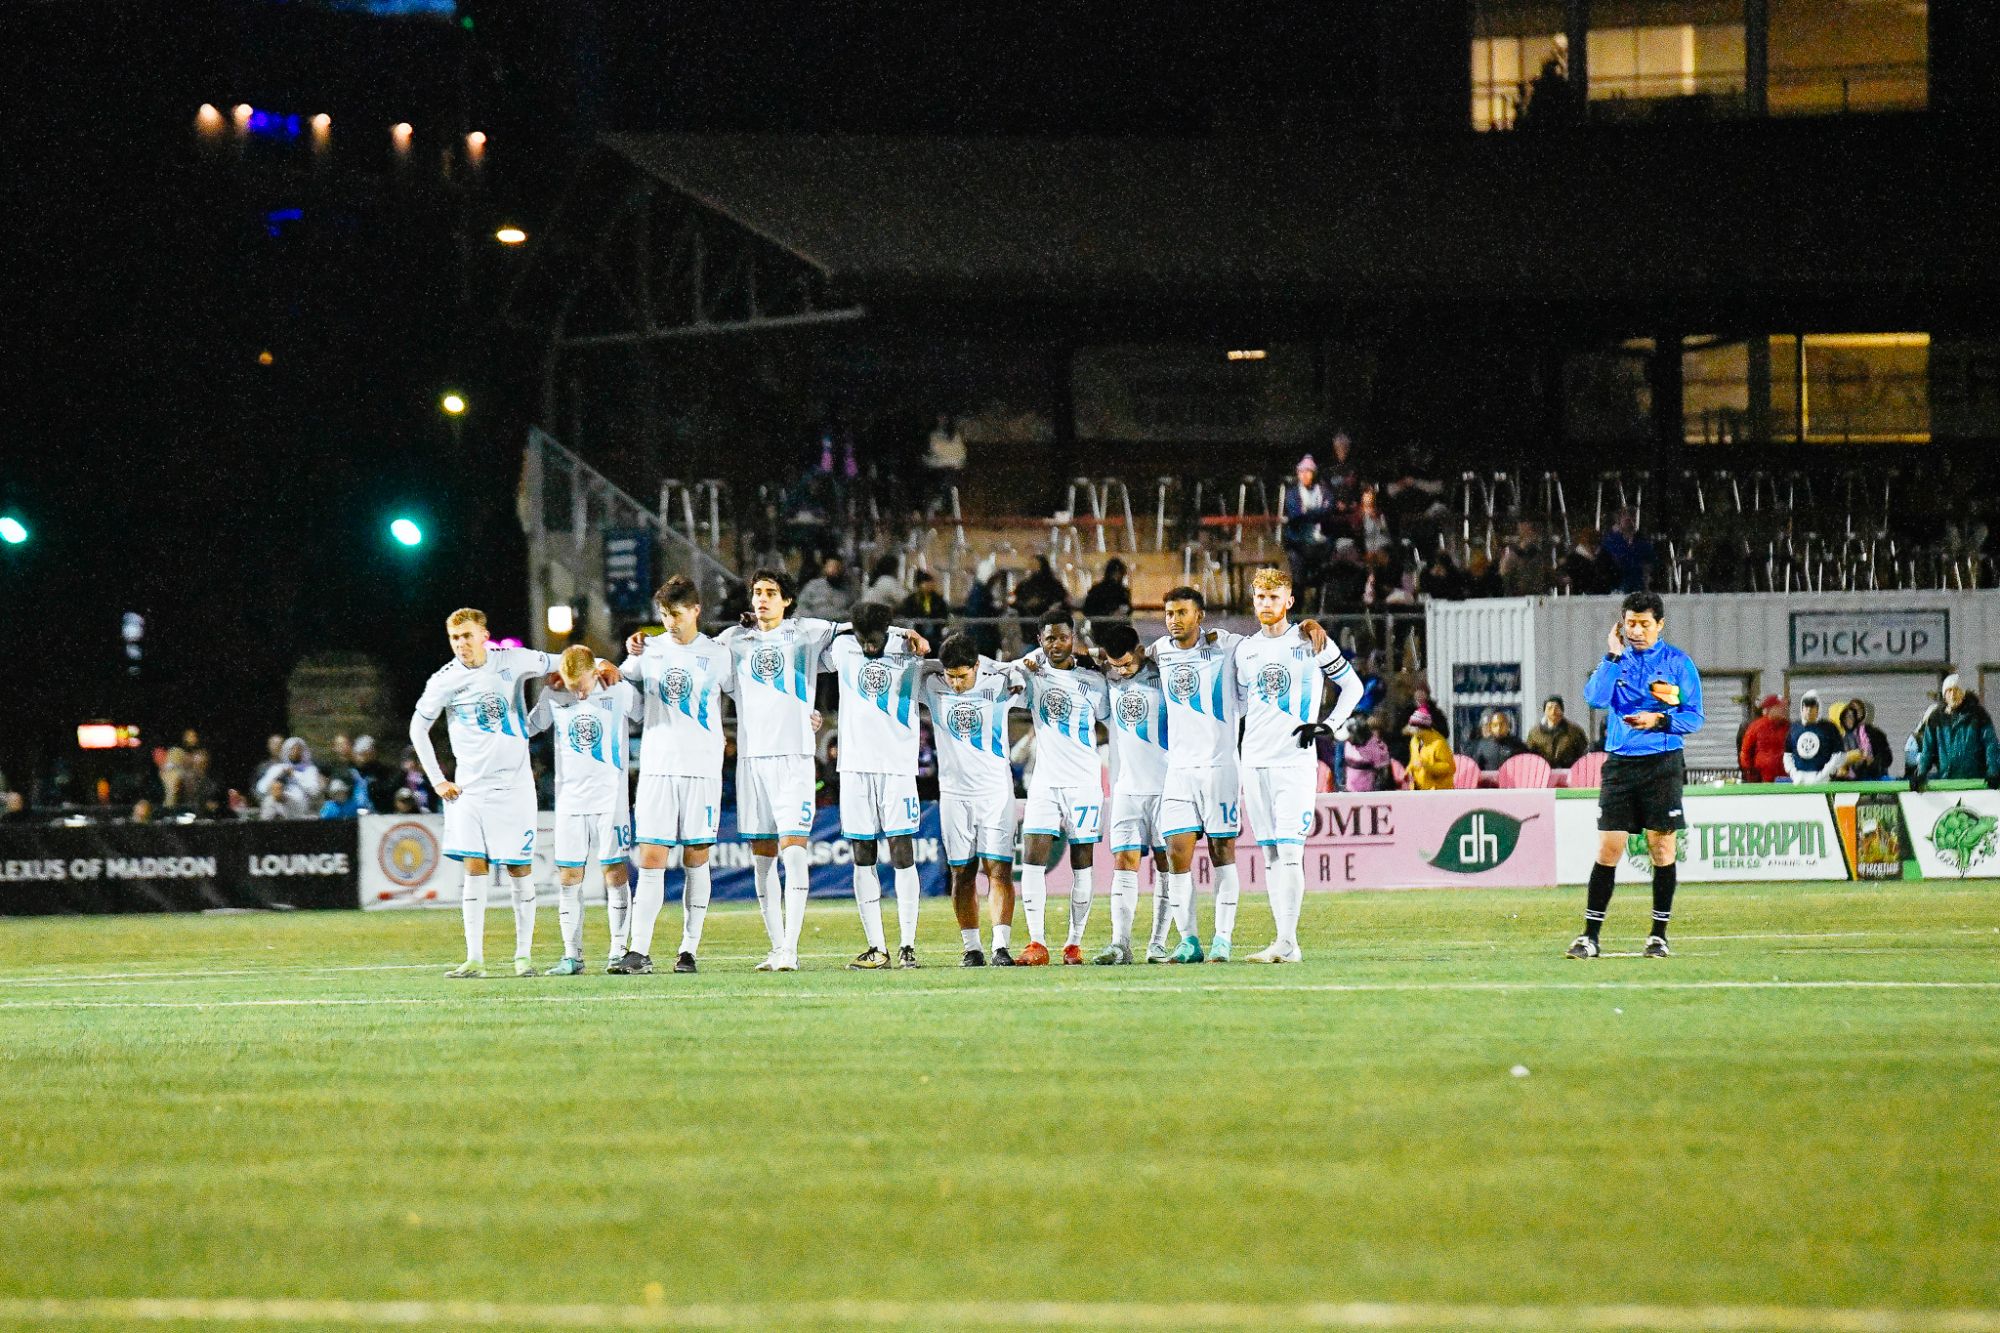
(176, 867)
(1729, 839)
(1954, 834)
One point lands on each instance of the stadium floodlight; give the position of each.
(453, 403)
(562, 618)
(406, 531)
(510, 236)
(12, 530)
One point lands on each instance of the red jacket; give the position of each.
(1763, 756)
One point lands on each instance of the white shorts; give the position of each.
(1075, 814)
(774, 796)
(678, 811)
(1202, 800)
(609, 834)
(878, 805)
(494, 826)
(1135, 821)
(979, 827)
(1281, 803)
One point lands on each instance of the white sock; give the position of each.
(569, 917)
(694, 906)
(1288, 901)
(1003, 937)
(909, 896)
(618, 906)
(1161, 912)
(1180, 901)
(646, 907)
(472, 907)
(523, 889)
(798, 883)
(1033, 896)
(1226, 892)
(764, 873)
(1082, 886)
(1124, 905)
(968, 937)
(868, 901)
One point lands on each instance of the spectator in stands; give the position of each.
(885, 584)
(142, 811)
(14, 808)
(414, 781)
(1365, 759)
(274, 753)
(1497, 742)
(1342, 478)
(1306, 507)
(1762, 753)
(1556, 738)
(1868, 753)
(1371, 525)
(1524, 562)
(925, 609)
(1629, 551)
(293, 787)
(1481, 579)
(1587, 571)
(1344, 580)
(377, 776)
(944, 462)
(827, 596)
(1421, 702)
(1432, 767)
(1441, 581)
(1038, 592)
(1812, 747)
(404, 802)
(1109, 597)
(340, 801)
(984, 605)
(360, 795)
(1958, 740)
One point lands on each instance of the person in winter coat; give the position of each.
(1958, 740)
(1868, 753)
(1432, 767)
(1762, 754)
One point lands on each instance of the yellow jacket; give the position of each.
(1432, 767)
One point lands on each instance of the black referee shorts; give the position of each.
(1638, 792)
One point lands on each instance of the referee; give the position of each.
(1653, 693)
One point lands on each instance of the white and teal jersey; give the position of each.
(590, 737)
(683, 684)
(970, 731)
(1065, 707)
(1138, 730)
(878, 706)
(1202, 704)
(776, 673)
(1281, 682)
(487, 716)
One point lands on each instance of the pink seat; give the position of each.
(1586, 771)
(1467, 777)
(1526, 770)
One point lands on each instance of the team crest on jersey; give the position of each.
(873, 678)
(585, 733)
(963, 720)
(486, 711)
(1056, 706)
(767, 665)
(1131, 708)
(676, 684)
(1182, 683)
(1274, 682)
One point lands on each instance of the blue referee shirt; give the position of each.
(1623, 685)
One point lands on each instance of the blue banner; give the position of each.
(832, 872)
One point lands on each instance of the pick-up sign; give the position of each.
(1863, 638)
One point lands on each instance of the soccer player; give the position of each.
(1066, 698)
(593, 805)
(683, 675)
(1653, 694)
(1281, 680)
(1137, 727)
(1202, 790)
(489, 804)
(969, 699)
(879, 669)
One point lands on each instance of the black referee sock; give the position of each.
(1603, 879)
(1665, 879)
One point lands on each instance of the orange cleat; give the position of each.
(1072, 955)
(1035, 955)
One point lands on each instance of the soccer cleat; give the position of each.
(1035, 955)
(1002, 958)
(613, 966)
(1157, 953)
(869, 960)
(470, 970)
(1218, 949)
(565, 967)
(1277, 953)
(1582, 947)
(907, 957)
(636, 964)
(771, 961)
(1117, 955)
(684, 963)
(1656, 947)
(1190, 950)
(787, 962)
(1072, 955)
(974, 958)
(524, 968)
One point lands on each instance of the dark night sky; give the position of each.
(241, 507)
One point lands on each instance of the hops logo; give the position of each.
(1274, 683)
(1131, 709)
(585, 733)
(1057, 706)
(873, 678)
(676, 685)
(1182, 683)
(766, 665)
(963, 721)
(1963, 837)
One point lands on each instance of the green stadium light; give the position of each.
(407, 532)
(13, 531)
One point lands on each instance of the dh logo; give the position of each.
(1478, 840)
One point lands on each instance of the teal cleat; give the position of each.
(472, 969)
(1218, 949)
(1190, 950)
(567, 967)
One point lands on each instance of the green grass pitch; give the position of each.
(295, 1122)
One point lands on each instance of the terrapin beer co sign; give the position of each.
(1862, 638)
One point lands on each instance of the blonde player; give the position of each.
(969, 699)
(1137, 726)
(1281, 683)
(489, 803)
(593, 807)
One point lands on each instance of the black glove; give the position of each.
(1308, 732)
(1993, 782)
(1918, 781)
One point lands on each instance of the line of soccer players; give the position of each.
(1198, 723)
